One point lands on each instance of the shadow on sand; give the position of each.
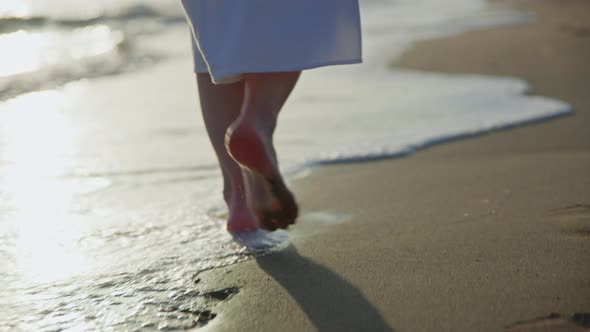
(330, 302)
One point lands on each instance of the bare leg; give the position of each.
(249, 141)
(221, 106)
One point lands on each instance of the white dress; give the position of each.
(232, 37)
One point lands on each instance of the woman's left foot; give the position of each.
(240, 219)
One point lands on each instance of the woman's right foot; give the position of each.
(270, 198)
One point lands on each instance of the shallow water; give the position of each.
(110, 199)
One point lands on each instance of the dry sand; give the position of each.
(486, 234)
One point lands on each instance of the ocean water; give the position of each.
(110, 200)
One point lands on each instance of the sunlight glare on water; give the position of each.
(59, 8)
(46, 252)
(14, 8)
(36, 136)
(24, 51)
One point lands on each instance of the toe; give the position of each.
(267, 222)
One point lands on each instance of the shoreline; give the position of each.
(479, 234)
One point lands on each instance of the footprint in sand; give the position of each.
(554, 322)
(575, 219)
(579, 31)
(198, 314)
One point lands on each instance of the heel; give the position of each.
(247, 148)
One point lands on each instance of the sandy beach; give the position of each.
(488, 233)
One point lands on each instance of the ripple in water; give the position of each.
(160, 291)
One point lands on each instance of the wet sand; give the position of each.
(488, 233)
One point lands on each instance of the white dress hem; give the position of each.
(231, 77)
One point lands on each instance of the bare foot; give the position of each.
(271, 199)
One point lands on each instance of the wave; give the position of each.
(61, 49)
(121, 15)
(59, 75)
(70, 56)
